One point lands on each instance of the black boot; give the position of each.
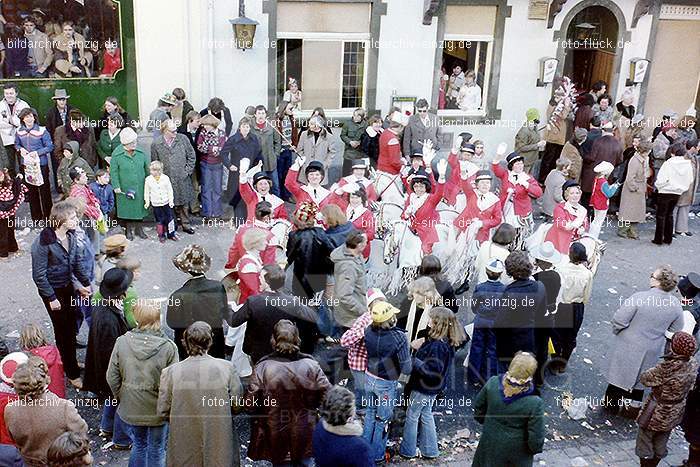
(129, 231)
(653, 462)
(140, 232)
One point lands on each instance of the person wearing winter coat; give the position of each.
(200, 430)
(670, 381)
(133, 374)
(680, 213)
(33, 341)
(108, 324)
(528, 142)
(10, 107)
(282, 433)
(662, 143)
(639, 328)
(691, 424)
(77, 129)
(38, 416)
(270, 146)
(496, 248)
(109, 139)
(351, 136)
(128, 170)
(523, 306)
(243, 144)
(633, 192)
(177, 155)
(33, 144)
(71, 159)
(555, 136)
(317, 144)
(104, 192)
(512, 415)
(553, 193)
(55, 260)
(421, 127)
(337, 439)
(369, 141)
(572, 152)
(673, 179)
(11, 198)
(350, 280)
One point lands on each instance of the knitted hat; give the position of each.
(306, 212)
(374, 294)
(383, 312)
(315, 166)
(512, 158)
(580, 134)
(496, 266)
(483, 175)
(127, 136)
(532, 114)
(193, 259)
(683, 344)
(9, 364)
(604, 167)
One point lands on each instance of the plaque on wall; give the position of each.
(537, 9)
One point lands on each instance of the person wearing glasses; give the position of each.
(421, 126)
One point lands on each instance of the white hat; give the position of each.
(374, 294)
(691, 112)
(398, 117)
(9, 364)
(604, 167)
(127, 136)
(546, 252)
(608, 125)
(495, 265)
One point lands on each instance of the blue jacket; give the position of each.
(486, 298)
(335, 236)
(104, 193)
(387, 353)
(237, 147)
(54, 267)
(523, 307)
(430, 366)
(85, 254)
(334, 450)
(10, 456)
(35, 139)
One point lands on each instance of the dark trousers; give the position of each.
(63, 321)
(284, 162)
(568, 321)
(164, 217)
(665, 203)
(8, 244)
(39, 197)
(542, 336)
(54, 168)
(483, 362)
(550, 155)
(218, 346)
(182, 215)
(12, 160)
(614, 397)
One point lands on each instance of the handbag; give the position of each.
(647, 411)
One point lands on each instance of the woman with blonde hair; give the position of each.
(33, 340)
(512, 414)
(133, 375)
(250, 265)
(414, 316)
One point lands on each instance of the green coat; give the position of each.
(129, 303)
(513, 433)
(129, 173)
(107, 145)
(133, 374)
(526, 145)
(352, 131)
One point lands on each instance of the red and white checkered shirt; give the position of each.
(354, 340)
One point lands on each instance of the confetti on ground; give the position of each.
(13, 335)
(587, 360)
(587, 425)
(612, 291)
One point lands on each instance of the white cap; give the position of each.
(604, 167)
(127, 136)
(495, 265)
(691, 112)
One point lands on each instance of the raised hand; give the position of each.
(442, 168)
(458, 144)
(501, 151)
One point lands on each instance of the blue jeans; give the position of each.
(420, 407)
(84, 312)
(483, 362)
(111, 422)
(284, 162)
(380, 408)
(212, 175)
(358, 387)
(148, 449)
(275, 181)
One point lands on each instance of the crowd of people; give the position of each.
(323, 368)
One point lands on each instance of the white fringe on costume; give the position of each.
(459, 265)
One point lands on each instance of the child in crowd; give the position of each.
(70, 449)
(158, 192)
(483, 362)
(104, 192)
(600, 198)
(546, 257)
(93, 221)
(11, 197)
(113, 249)
(431, 364)
(33, 340)
(71, 159)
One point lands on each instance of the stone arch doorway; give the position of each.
(591, 42)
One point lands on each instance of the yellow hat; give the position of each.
(382, 312)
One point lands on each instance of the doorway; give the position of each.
(592, 46)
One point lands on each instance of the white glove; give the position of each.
(244, 165)
(501, 150)
(442, 168)
(458, 144)
(298, 162)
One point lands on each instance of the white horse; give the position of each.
(594, 247)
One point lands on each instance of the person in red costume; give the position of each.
(356, 212)
(250, 265)
(483, 208)
(112, 59)
(415, 164)
(8, 365)
(462, 169)
(570, 218)
(255, 186)
(311, 192)
(263, 216)
(518, 189)
(420, 205)
(358, 176)
(390, 159)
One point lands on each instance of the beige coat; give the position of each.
(572, 153)
(633, 194)
(197, 396)
(557, 135)
(688, 196)
(323, 150)
(35, 426)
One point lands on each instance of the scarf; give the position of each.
(512, 391)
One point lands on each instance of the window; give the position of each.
(466, 55)
(353, 74)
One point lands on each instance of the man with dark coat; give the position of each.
(605, 148)
(421, 127)
(199, 299)
(270, 146)
(264, 310)
(55, 117)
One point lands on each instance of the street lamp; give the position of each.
(243, 28)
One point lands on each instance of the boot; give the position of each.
(140, 232)
(623, 231)
(129, 231)
(161, 233)
(653, 462)
(633, 232)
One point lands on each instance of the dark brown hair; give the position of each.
(285, 337)
(518, 265)
(197, 338)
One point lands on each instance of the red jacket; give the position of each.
(490, 213)
(236, 251)
(522, 197)
(251, 198)
(249, 277)
(53, 359)
(112, 63)
(424, 220)
(389, 153)
(558, 234)
(5, 398)
(363, 220)
(304, 193)
(599, 201)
